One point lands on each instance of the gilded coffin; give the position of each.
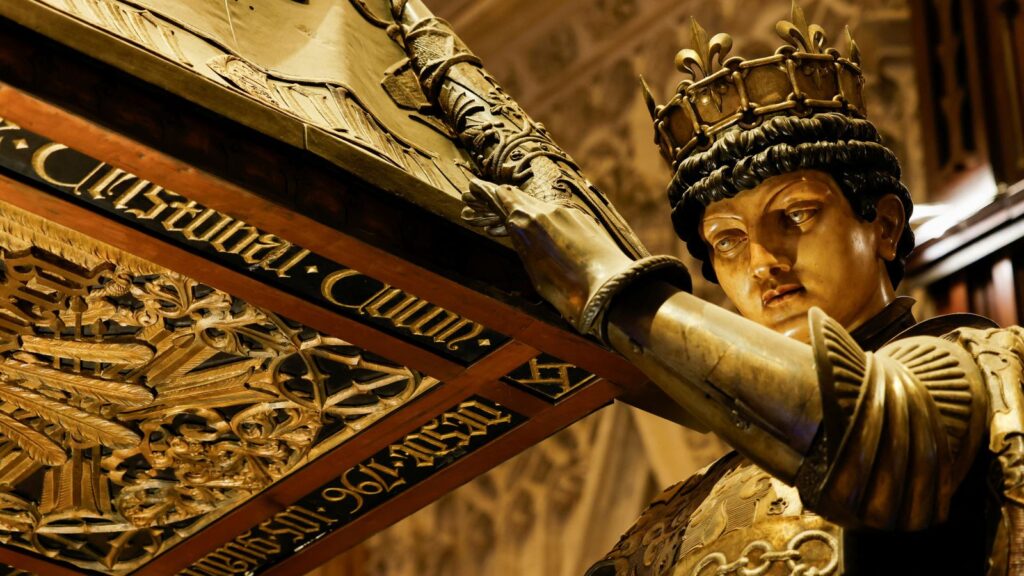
(242, 324)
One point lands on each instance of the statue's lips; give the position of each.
(778, 295)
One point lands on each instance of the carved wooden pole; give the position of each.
(507, 146)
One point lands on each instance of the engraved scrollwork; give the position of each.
(339, 109)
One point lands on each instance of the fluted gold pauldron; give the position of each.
(803, 77)
(900, 428)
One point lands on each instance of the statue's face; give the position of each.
(794, 242)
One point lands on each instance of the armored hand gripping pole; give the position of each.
(506, 145)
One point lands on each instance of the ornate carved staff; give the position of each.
(506, 145)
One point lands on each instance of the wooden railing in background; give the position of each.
(970, 66)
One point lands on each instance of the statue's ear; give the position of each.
(889, 222)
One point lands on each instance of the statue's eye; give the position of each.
(728, 243)
(798, 216)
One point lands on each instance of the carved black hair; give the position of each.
(848, 149)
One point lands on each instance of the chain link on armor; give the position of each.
(769, 556)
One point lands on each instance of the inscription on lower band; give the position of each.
(241, 246)
(550, 377)
(435, 445)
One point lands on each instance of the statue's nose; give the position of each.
(765, 263)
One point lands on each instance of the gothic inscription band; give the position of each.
(550, 377)
(438, 443)
(138, 405)
(241, 246)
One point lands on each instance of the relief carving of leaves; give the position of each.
(117, 392)
(155, 501)
(37, 445)
(279, 434)
(272, 422)
(200, 448)
(77, 422)
(131, 354)
(17, 514)
(198, 400)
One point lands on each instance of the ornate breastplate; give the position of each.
(752, 524)
(731, 519)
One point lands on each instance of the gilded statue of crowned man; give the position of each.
(865, 442)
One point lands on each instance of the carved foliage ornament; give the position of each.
(137, 407)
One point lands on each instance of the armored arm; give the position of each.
(877, 439)
(880, 439)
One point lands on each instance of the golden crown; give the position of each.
(802, 78)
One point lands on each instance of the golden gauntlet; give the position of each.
(573, 262)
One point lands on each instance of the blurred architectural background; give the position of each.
(944, 89)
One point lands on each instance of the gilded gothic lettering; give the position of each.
(146, 201)
(449, 432)
(242, 245)
(175, 214)
(359, 489)
(40, 160)
(551, 377)
(355, 291)
(367, 479)
(296, 523)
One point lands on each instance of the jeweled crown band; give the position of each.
(802, 78)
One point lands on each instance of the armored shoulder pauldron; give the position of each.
(879, 439)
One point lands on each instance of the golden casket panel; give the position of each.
(357, 92)
(319, 190)
(145, 405)
(138, 405)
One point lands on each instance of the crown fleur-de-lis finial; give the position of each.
(854, 50)
(652, 107)
(725, 93)
(800, 35)
(705, 56)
